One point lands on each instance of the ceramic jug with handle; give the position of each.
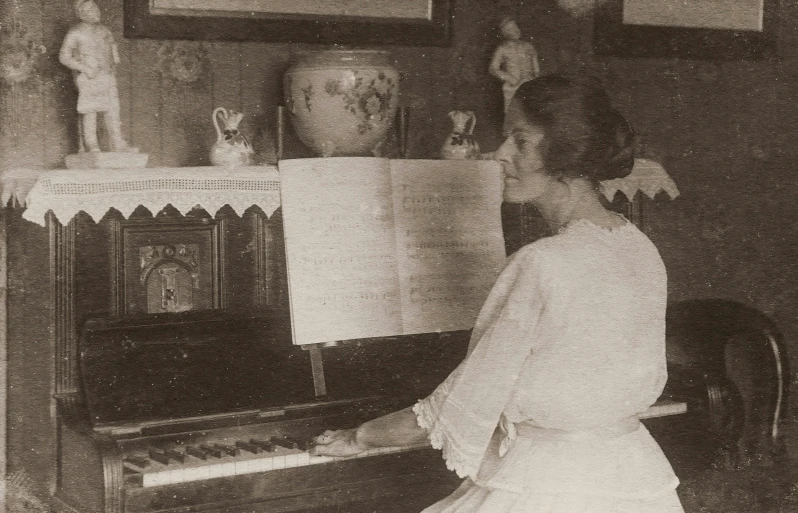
(461, 143)
(231, 147)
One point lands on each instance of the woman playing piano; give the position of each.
(570, 344)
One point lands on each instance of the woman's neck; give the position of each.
(573, 200)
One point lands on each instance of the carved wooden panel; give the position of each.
(167, 265)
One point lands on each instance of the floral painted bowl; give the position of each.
(342, 102)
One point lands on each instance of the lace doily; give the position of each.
(647, 176)
(95, 191)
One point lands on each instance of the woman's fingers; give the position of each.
(336, 443)
(326, 437)
(336, 448)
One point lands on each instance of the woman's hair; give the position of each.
(584, 136)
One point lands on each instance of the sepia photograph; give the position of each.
(398, 256)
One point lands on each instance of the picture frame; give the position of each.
(386, 22)
(748, 33)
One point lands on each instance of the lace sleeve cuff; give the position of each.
(441, 435)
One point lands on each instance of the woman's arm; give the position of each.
(395, 429)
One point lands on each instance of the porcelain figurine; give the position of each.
(231, 147)
(90, 52)
(461, 143)
(514, 61)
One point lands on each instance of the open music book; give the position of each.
(379, 247)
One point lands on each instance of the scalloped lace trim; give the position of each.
(67, 192)
(456, 456)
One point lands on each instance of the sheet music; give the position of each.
(450, 245)
(340, 248)
(379, 247)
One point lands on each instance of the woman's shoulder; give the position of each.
(550, 245)
(584, 240)
(536, 256)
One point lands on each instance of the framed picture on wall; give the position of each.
(696, 29)
(346, 22)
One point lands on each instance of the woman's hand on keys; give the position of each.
(337, 443)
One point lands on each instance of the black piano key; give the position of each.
(263, 444)
(176, 455)
(139, 463)
(196, 452)
(228, 449)
(285, 441)
(249, 447)
(302, 445)
(211, 451)
(160, 457)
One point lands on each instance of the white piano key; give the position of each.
(165, 477)
(278, 462)
(302, 459)
(214, 471)
(176, 475)
(291, 461)
(204, 473)
(242, 467)
(191, 474)
(260, 465)
(227, 469)
(155, 479)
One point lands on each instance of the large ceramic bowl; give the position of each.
(342, 102)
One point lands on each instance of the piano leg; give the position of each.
(90, 476)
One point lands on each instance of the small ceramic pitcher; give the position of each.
(231, 147)
(461, 143)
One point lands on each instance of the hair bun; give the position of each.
(621, 154)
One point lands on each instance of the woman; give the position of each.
(570, 344)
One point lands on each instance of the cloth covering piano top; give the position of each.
(571, 338)
(95, 191)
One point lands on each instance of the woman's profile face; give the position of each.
(525, 176)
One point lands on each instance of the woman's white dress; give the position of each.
(571, 341)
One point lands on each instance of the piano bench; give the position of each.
(739, 353)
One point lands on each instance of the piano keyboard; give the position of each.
(210, 461)
(198, 463)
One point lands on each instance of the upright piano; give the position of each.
(215, 412)
(178, 387)
(207, 411)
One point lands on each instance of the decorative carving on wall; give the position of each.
(182, 62)
(19, 53)
(184, 71)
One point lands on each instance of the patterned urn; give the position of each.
(342, 102)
